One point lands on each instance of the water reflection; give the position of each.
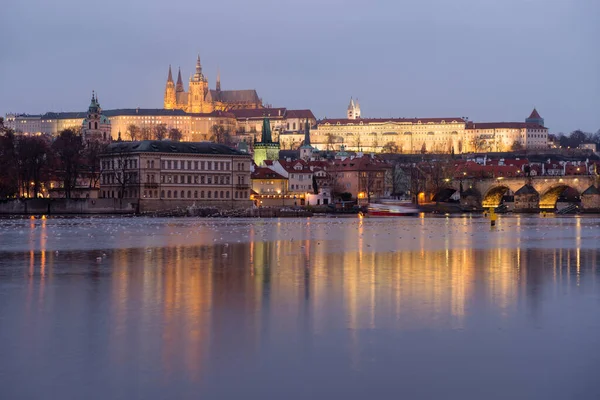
(186, 313)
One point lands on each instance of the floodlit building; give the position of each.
(165, 174)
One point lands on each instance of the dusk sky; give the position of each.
(489, 60)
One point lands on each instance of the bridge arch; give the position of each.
(493, 197)
(549, 198)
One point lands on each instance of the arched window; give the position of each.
(169, 194)
(182, 194)
(216, 194)
(195, 194)
(222, 195)
(227, 194)
(236, 195)
(162, 194)
(202, 194)
(189, 194)
(209, 193)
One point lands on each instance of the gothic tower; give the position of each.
(218, 81)
(353, 109)
(266, 149)
(170, 100)
(197, 91)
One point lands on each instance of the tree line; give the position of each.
(158, 132)
(576, 138)
(29, 163)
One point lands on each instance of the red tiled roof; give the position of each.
(266, 173)
(535, 114)
(360, 164)
(259, 113)
(502, 125)
(299, 114)
(345, 121)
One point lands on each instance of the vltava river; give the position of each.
(320, 308)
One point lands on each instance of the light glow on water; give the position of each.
(299, 308)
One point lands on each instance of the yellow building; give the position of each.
(402, 135)
(200, 99)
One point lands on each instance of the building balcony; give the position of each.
(151, 185)
(242, 186)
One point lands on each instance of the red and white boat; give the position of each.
(392, 209)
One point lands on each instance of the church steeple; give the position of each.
(170, 78)
(306, 133)
(266, 131)
(170, 100)
(179, 86)
(198, 77)
(218, 80)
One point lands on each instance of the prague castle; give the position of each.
(200, 99)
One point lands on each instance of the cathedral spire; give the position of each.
(170, 78)
(198, 66)
(218, 80)
(179, 87)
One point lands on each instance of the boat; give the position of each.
(392, 209)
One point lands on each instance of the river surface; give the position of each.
(319, 308)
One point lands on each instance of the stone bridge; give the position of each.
(488, 192)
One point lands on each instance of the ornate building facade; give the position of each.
(200, 99)
(96, 126)
(427, 135)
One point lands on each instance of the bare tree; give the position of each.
(219, 134)
(133, 131)
(91, 156)
(146, 133)
(9, 182)
(390, 147)
(160, 131)
(440, 173)
(122, 171)
(68, 148)
(32, 163)
(175, 134)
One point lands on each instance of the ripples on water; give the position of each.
(319, 308)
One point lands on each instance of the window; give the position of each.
(236, 195)
(175, 193)
(189, 194)
(227, 194)
(209, 194)
(182, 194)
(222, 195)
(202, 194)
(195, 164)
(209, 165)
(202, 165)
(202, 179)
(152, 164)
(216, 194)
(189, 165)
(209, 179)
(195, 194)
(189, 179)
(168, 194)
